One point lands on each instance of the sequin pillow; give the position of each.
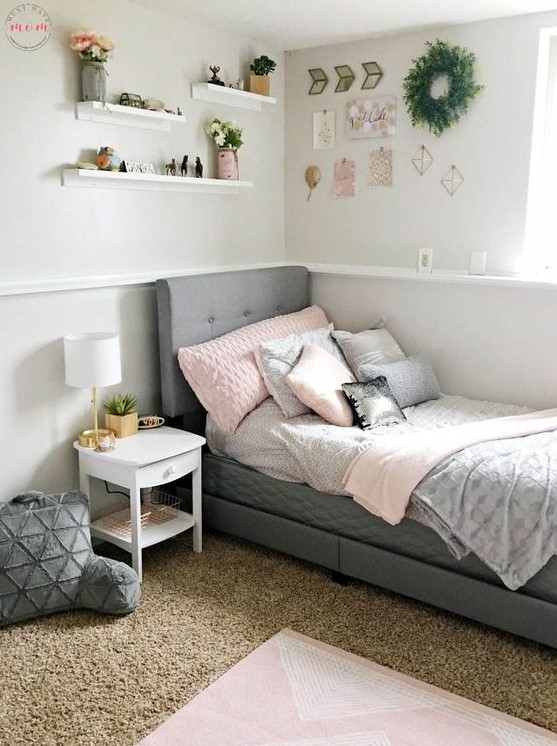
(373, 403)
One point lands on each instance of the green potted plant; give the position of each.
(121, 416)
(261, 68)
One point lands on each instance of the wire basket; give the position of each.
(163, 506)
(158, 507)
(120, 523)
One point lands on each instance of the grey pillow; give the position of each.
(412, 380)
(375, 346)
(373, 403)
(47, 563)
(277, 358)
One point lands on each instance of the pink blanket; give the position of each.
(383, 477)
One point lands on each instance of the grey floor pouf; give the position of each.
(47, 563)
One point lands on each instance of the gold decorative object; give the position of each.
(373, 75)
(452, 180)
(88, 438)
(422, 160)
(319, 79)
(345, 78)
(312, 177)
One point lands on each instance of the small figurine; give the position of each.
(198, 168)
(215, 80)
(171, 168)
(108, 159)
(133, 100)
(184, 166)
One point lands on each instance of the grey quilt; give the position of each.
(498, 500)
(495, 499)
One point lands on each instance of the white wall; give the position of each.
(40, 414)
(490, 146)
(484, 341)
(49, 231)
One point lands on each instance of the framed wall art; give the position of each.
(371, 117)
(136, 167)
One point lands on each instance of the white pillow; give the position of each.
(372, 346)
(277, 358)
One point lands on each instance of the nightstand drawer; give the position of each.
(168, 470)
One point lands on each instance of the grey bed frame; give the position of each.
(197, 308)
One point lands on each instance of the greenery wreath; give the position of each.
(454, 63)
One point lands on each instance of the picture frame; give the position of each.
(373, 116)
(138, 167)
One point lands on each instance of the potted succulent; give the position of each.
(261, 68)
(121, 415)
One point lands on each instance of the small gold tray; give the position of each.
(88, 438)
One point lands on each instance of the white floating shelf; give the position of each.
(220, 94)
(129, 116)
(82, 177)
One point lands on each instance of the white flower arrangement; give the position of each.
(91, 47)
(225, 134)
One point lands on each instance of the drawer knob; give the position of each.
(171, 470)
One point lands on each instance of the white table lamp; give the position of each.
(91, 361)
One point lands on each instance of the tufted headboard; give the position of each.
(197, 308)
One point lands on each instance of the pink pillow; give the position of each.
(223, 372)
(317, 379)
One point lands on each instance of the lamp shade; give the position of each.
(92, 359)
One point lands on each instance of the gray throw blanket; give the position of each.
(498, 500)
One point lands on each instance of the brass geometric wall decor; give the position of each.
(319, 81)
(345, 78)
(422, 160)
(452, 180)
(373, 75)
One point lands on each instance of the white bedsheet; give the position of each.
(307, 449)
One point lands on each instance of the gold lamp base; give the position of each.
(89, 438)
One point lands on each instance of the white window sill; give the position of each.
(439, 275)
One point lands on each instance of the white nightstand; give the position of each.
(149, 459)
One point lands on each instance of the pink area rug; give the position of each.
(295, 691)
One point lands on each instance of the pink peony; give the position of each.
(81, 40)
(104, 43)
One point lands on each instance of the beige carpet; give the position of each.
(81, 679)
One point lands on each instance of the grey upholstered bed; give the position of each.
(333, 532)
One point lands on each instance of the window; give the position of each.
(541, 216)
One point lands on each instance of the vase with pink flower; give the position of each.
(94, 50)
